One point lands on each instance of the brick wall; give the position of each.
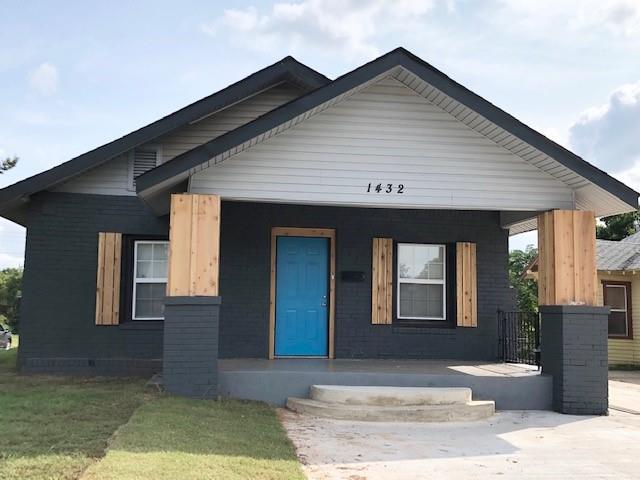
(245, 268)
(58, 331)
(574, 352)
(190, 362)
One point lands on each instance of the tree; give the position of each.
(10, 293)
(8, 163)
(617, 227)
(526, 288)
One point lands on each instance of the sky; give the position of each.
(76, 74)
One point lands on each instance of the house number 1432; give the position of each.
(385, 188)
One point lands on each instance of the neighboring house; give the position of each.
(362, 217)
(618, 264)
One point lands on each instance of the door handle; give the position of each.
(324, 301)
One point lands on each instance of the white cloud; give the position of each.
(619, 17)
(10, 261)
(608, 135)
(12, 240)
(30, 117)
(558, 135)
(349, 26)
(44, 79)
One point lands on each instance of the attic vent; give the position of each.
(144, 159)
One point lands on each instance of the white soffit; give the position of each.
(588, 196)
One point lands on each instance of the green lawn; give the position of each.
(54, 427)
(59, 428)
(175, 438)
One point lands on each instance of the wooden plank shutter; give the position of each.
(382, 281)
(466, 285)
(108, 278)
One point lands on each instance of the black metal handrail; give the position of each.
(519, 337)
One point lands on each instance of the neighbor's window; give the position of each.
(421, 281)
(149, 279)
(618, 297)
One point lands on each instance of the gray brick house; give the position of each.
(290, 216)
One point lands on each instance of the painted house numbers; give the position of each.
(385, 188)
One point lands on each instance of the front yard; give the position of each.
(99, 428)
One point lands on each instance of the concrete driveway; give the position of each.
(511, 445)
(624, 391)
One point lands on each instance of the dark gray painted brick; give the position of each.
(58, 331)
(574, 352)
(245, 274)
(190, 362)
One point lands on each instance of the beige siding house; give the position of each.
(619, 288)
(619, 278)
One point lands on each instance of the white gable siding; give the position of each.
(215, 125)
(113, 178)
(384, 134)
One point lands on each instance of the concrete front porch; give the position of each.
(513, 387)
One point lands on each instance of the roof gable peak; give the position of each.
(287, 69)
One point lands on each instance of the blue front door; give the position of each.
(301, 296)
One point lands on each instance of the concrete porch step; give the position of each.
(390, 396)
(392, 404)
(453, 412)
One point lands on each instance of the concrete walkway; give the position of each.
(517, 445)
(624, 391)
(512, 445)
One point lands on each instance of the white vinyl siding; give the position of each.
(196, 134)
(114, 177)
(384, 134)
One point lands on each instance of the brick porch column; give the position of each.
(192, 305)
(574, 329)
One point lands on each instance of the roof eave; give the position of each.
(287, 69)
(398, 57)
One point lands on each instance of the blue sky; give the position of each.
(75, 75)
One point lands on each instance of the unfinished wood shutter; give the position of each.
(108, 278)
(382, 281)
(466, 285)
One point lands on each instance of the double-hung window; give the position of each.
(149, 279)
(421, 281)
(617, 295)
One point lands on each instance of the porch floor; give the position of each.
(513, 387)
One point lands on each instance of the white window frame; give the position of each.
(625, 310)
(137, 280)
(157, 148)
(423, 281)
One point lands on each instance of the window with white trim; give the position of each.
(149, 279)
(421, 281)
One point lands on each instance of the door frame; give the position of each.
(329, 233)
